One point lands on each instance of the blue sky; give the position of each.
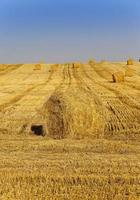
(69, 30)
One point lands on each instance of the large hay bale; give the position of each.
(118, 77)
(129, 72)
(73, 114)
(130, 62)
(37, 67)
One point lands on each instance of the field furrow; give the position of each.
(122, 114)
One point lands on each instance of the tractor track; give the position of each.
(82, 85)
(66, 82)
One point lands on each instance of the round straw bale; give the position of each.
(92, 62)
(118, 76)
(130, 62)
(74, 115)
(37, 67)
(76, 65)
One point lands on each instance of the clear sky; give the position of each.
(68, 30)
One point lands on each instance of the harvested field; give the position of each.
(68, 131)
(35, 168)
(83, 100)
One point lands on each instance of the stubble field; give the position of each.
(91, 149)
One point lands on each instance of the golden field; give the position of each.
(91, 129)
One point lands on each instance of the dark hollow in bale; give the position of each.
(38, 130)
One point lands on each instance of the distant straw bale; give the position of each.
(3, 67)
(130, 62)
(118, 77)
(55, 66)
(37, 67)
(92, 62)
(76, 65)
